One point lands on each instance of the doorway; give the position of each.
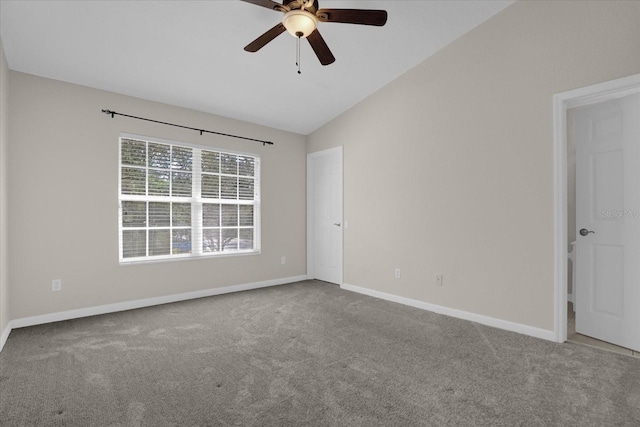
(600, 94)
(324, 215)
(579, 135)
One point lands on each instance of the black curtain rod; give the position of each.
(115, 113)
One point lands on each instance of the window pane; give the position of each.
(230, 239)
(246, 238)
(159, 242)
(159, 214)
(157, 220)
(133, 181)
(211, 240)
(229, 215)
(210, 161)
(158, 183)
(246, 165)
(182, 158)
(211, 215)
(134, 243)
(229, 187)
(181, 214)
(182, 241)
(134, 152)
(181, 182)
(229, 163)
(245, 188)
(211, 186)
(134, 214)
(159, 155)
(246, 215)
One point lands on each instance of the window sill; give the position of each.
(160, 260)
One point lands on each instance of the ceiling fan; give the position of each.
(301, 19)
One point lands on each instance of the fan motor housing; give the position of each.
(294, 4)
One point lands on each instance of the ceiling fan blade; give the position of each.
(320, 48)
(261, 41)
(353, 16)
(268, 4)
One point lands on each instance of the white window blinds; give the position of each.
(181, 201)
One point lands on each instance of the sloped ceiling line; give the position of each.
(190, 53)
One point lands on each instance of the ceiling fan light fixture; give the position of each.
(300, 23)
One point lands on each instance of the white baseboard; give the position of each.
(460, 314)
(147, 302)
(5, 335)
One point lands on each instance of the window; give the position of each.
(181, 201)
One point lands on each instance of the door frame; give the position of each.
(562, 102)
(310, 205)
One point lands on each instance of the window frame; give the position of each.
(196, 201)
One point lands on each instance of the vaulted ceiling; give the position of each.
(190, 53)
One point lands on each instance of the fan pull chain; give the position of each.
(298, 51)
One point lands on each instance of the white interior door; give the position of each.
(608, 221)
(324, 215)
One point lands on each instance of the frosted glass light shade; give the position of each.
(300, 22)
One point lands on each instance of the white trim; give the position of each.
(460, 314)
(561, 103)
(310, 209)
(5, 336)
(147, 302)
(182, 143)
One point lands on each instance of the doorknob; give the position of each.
(337, 223)
(585, 232)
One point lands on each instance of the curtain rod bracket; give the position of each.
(202, 131)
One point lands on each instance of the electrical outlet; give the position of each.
(439, 279)
(56, 285)
(283, 260)
(397, 273)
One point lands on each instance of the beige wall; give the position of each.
(449, 168)
(64, 199)
(4, 142)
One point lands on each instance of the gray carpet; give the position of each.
(304, 354)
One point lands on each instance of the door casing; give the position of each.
(561, 103)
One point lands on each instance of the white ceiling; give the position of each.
(190, 53)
